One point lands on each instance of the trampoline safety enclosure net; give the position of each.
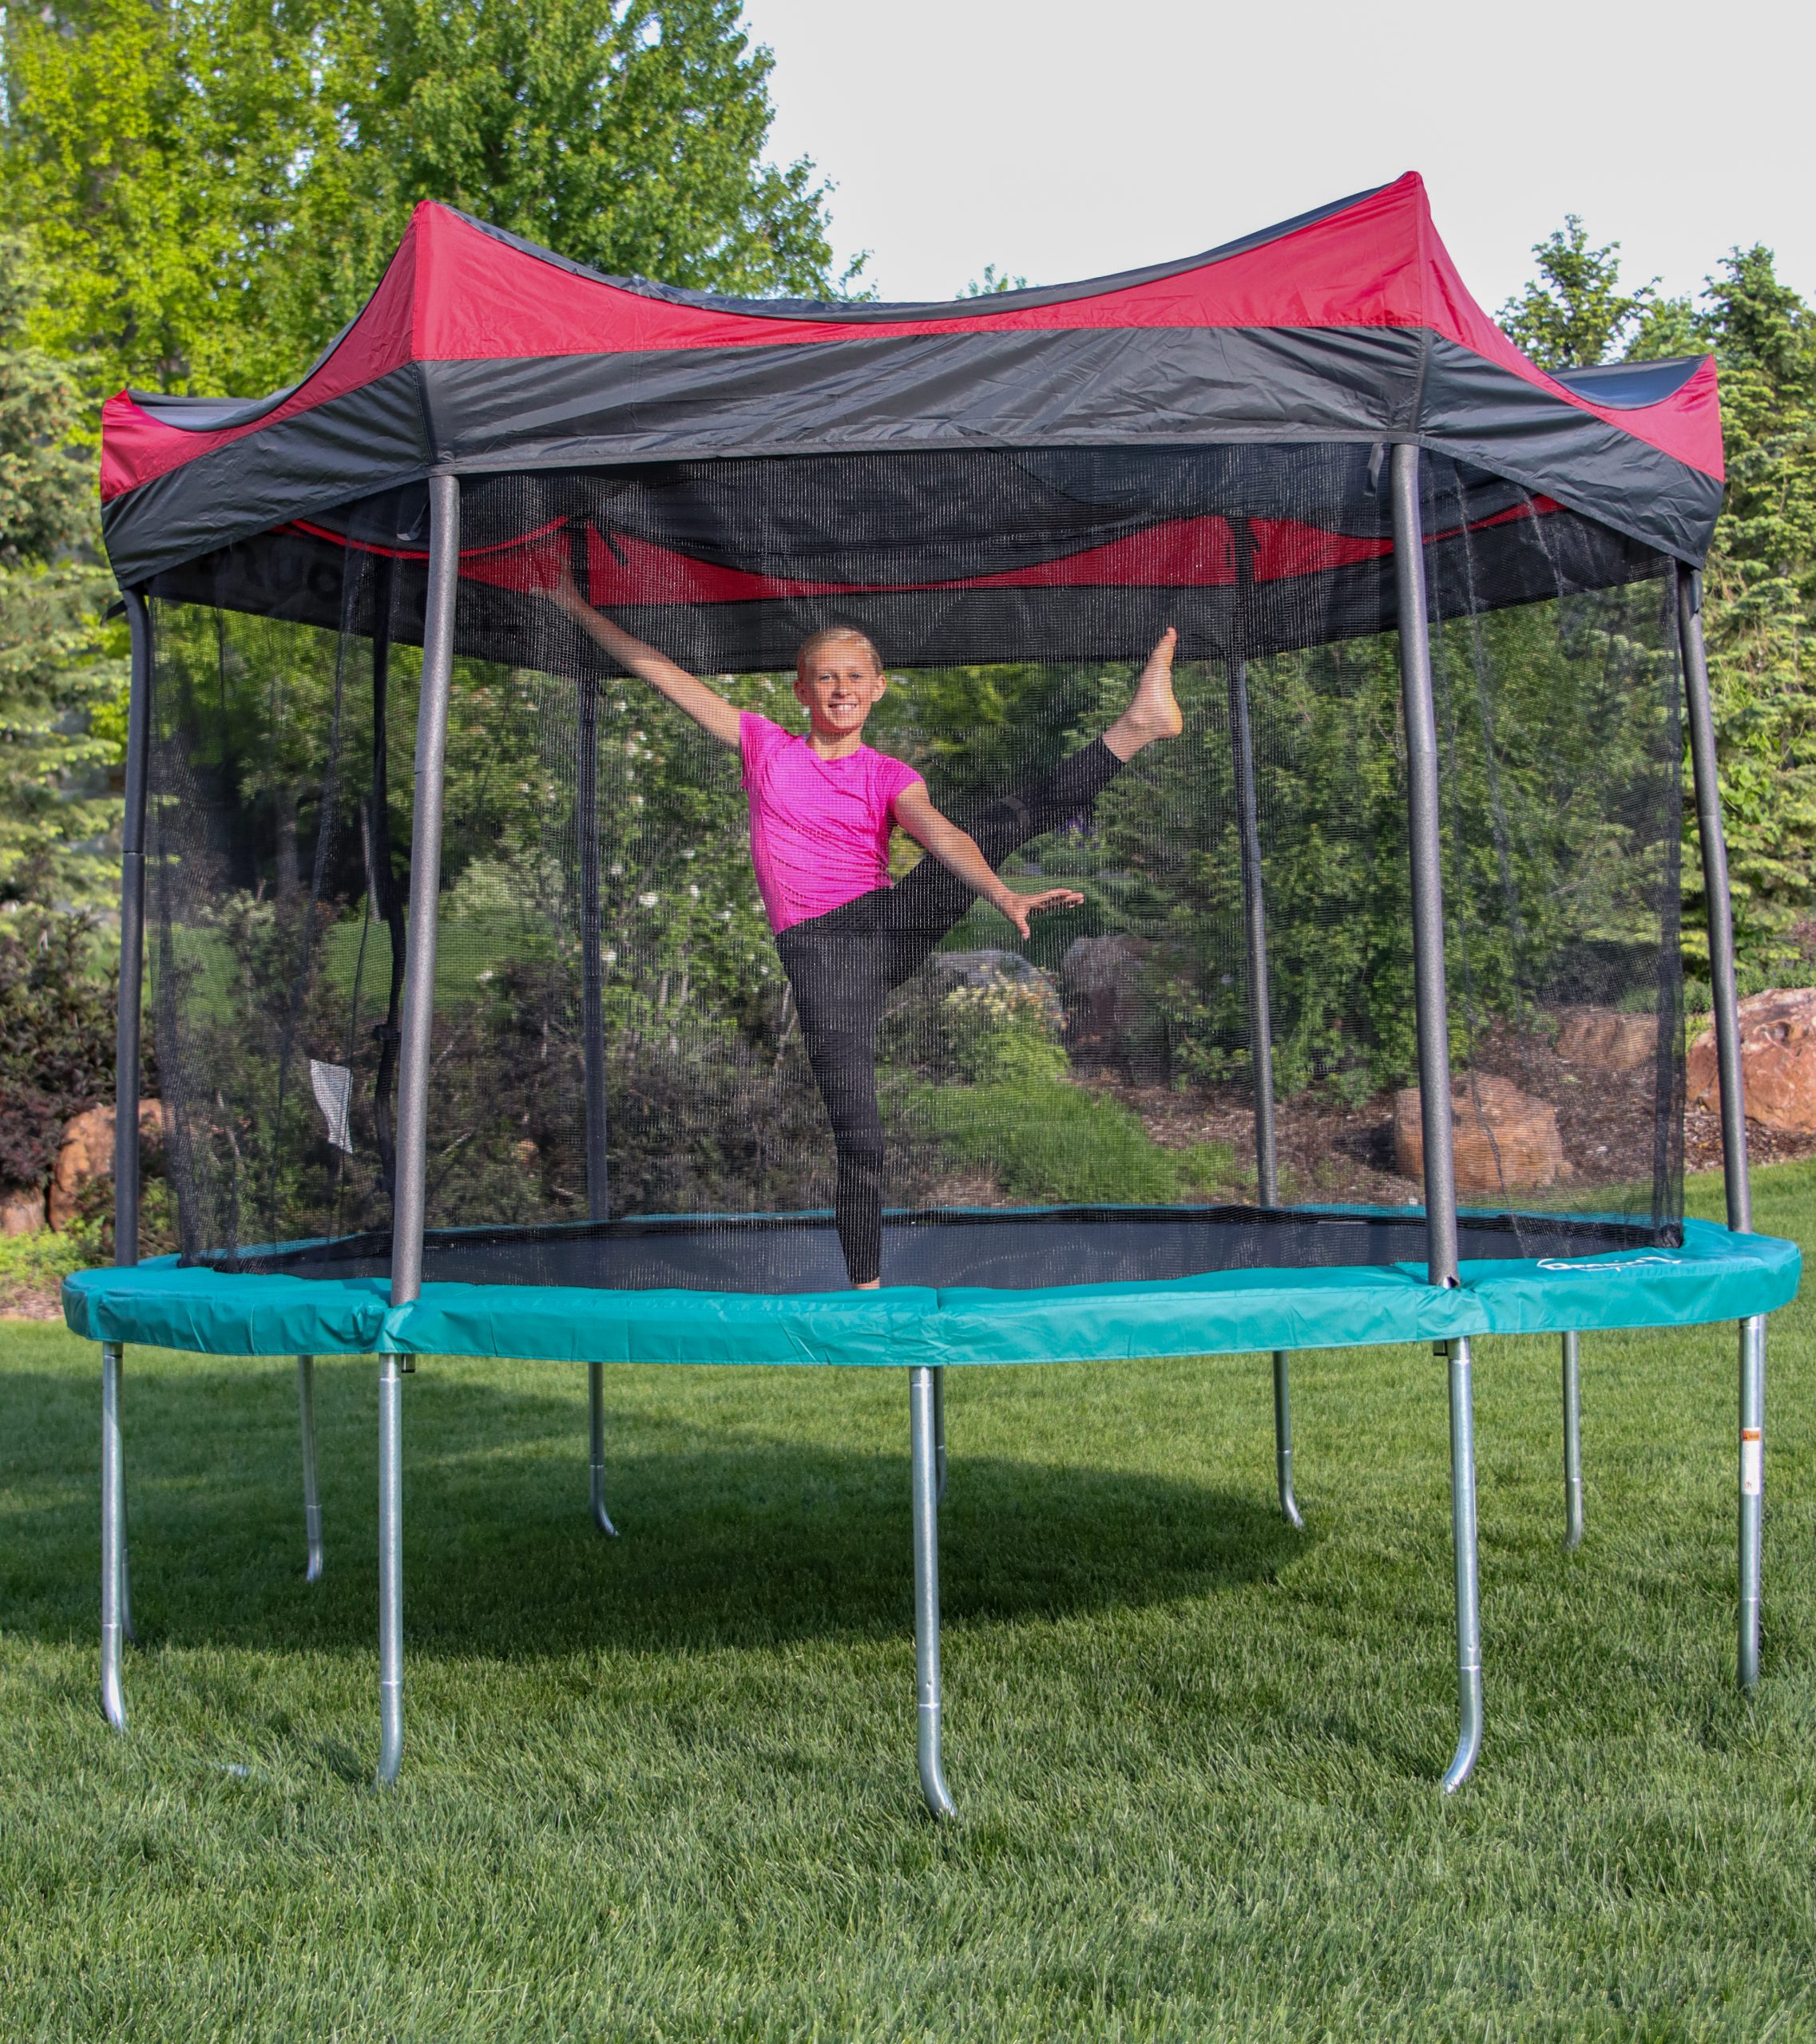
(1080, 1108)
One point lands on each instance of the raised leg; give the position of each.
(939, 1436)
(112, 1539)
(1572, 1450)
(1283, 1439)
(1469, 1587)
(922, 1394)
(596, 1444)
(391, 1570)
(311, 1496)
(1752, 1491)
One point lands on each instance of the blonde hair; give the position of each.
(830, 635)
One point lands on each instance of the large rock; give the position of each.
(1506, 1141)
(1607, 1040)
(86, 1153)
(21, 1213)
(1101, 985)
(1778, 1061)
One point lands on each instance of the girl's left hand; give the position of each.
(1018, 907)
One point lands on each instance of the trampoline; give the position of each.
(1368, 1027)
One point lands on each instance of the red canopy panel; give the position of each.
(479, 352)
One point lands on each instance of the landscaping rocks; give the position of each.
(1607, 1040)
(86, 1153)
(1100, 977)
(21, 1213)
(1505, 1140)
(1778, 1061)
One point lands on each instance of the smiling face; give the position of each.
(839, 680)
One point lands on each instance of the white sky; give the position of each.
(1061, 141)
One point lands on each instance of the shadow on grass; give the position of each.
(725, 1542)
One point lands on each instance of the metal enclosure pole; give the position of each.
(1463, 1548)
(1431, 1004)
(1726, 1019)
(413, 1089)
(1572, 1448)
(132, 942)
(595, 1445)
(425, 888)
(593, 1032)
(311, 1495)
(1260, 1034)
(126, 1075)
(112, 1539)
(391, 1570)
(1432, 1013)
(923, 1482)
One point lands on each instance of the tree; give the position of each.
(1575, 313)
(60, 678)
(216, 184)
(1760, 609)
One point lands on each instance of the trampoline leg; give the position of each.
(1283, 1439)
(1572, 1450)
(127, 1630)
(391, 1570)
(922, 1395)
(311, 1496)
(1752, 1491)
(112, 1539)
(939, 1436)
(596, 1444)
(1469, 1587)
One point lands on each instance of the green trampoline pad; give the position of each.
(1716, 1275)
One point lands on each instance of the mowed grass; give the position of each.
(663, 1787)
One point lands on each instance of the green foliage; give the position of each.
(1048, 1139)
(217, 183)
(1575, 314)
(61, 708)
(56, 1008)
(1760, 605)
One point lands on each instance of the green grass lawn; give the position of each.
(663, 1787)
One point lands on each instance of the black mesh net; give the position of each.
(621, 1092)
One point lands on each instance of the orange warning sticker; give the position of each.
(1752, 1462)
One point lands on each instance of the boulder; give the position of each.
(1607, 1040)
(1100, 984)
(86, 1153)
(21, 1213)
(1506, 1141)
(1778, 1061)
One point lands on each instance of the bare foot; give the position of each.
(874, 1284)
(1153, 711)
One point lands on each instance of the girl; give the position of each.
(821, 811)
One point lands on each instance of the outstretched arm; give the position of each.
(708, 709)
(957, 850)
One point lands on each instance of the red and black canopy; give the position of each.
(1214, 424)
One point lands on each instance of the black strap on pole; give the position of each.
(1717, 902)
(132, 939)
(1431, 1007)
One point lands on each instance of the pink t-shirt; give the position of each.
(819, 828)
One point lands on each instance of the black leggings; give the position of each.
(845, 965)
